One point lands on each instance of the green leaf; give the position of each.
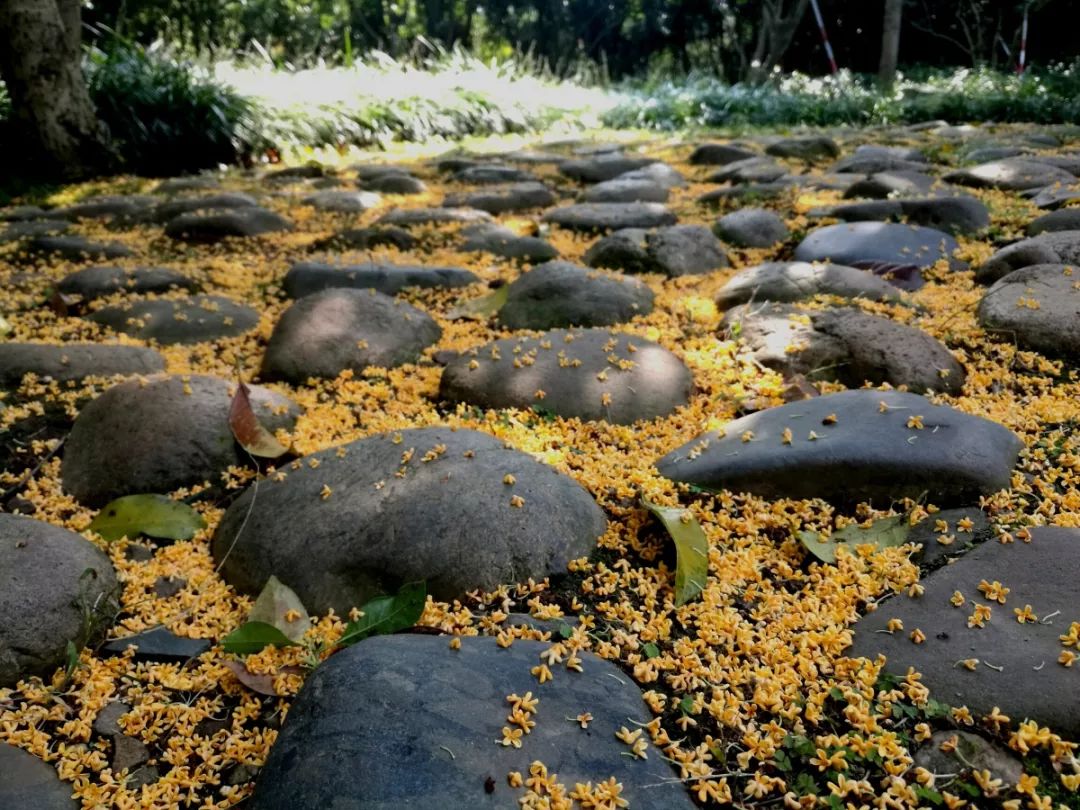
(388, 614)
(686, 704)
(480, 309)
(252, 637)
(888, 532)
(928, 793)
(274, 603)
(152, 515)
(651, 650)
(71, 654)
(565, 630)
(691, 549)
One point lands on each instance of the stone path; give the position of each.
(479, 365)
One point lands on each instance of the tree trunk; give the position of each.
(54, 123)
(890, 42)
(774, 36)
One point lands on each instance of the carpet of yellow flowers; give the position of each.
(757, 660)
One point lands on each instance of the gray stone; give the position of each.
(1052, 247)
(751, 170)
(890, 184)
(865, 454)
(720, 154)
(603, 167)
(128, 754)
(55, 587)
(430, 698)
(27, 783)
(305, 278)
(103, 207)
(166, 211)
(429, 504)
(989, 154)
(685, 250)
(1018, 669)
(21, 213)
(868, 150)
(876, 245)
(503, 199)
(1010, 174)
(875, 164)
(75, 249)
(74, 361)
(610, 216)
(217, 224)
(343, 202)
(1052, 197)
(107, 722)
(959, 214)
(626, 250)
(172, 438)
(748, 192)
(175, 185)
(20, 230)
(368, 238)
(808, 147)
(575, 370)
(625, 190)
(323, 334)
(957, 541)
(408, 217)
(559, 294)
(1038, 307)
(394, 183)
(500, 241)
(189, 320)
(659, 173)
(307, 171)
(158, 645)
(752, 227)
(95, 282)
(168, 587)
(964, 751)
(493, 174)
(1064, 219)
(845, 345)
(796, 281)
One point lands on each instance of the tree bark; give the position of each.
(53, 119)
(774, 36)
(890, 42)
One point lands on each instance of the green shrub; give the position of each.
(167, 117)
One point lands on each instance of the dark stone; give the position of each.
(686, 250)
(55, 587)
(75, 249)
(241, 774)
(868, 150)
(423, 504)
(989, 154)
(500, 241)
(493, 174)
(752, 227)
(172, 438)
(749, 192)
(189, 320)
(138, 552)
(867, 454)
(433, 216)
(503, 199)
(751, 170)
(95, 282)
(174, 185)
(809, 147)
(871, 245)
(846, 345)
(1064, 219)
(957, 541)
(1038, 307)
(166, 211)
(324, 333)
(305, 278)
(104, 207)
(306, 172)
(394, 183)
(875, 164)
(27, 783)
(659, 173)
(610, 216)
(1010, 174)
(1054, 196)
(128, 754)
(897, 183)
(158, 645)
(950, 214)
(1018, 669)
(368, 238)
(575, 370)
(1052, 247)
(168, 587)
(602, 167)
(107, 722)
(17, 231)
(971, 752)
(74, 361)
(215, 225)
(720, 154)
(342, 202)
(625, 250)
(430, 698)
(559, 294)
(796, 281)
(623, 189)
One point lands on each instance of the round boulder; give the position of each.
(175, 433)
(322, 334)
(26, 781)
(95, 282)
(561, 294)
(752, 227)
(455, 508)
(74, 361)
(878, 246)
(588, 374)
(1038, 306)
(55, 587)
(796, 281)
(188, 320)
